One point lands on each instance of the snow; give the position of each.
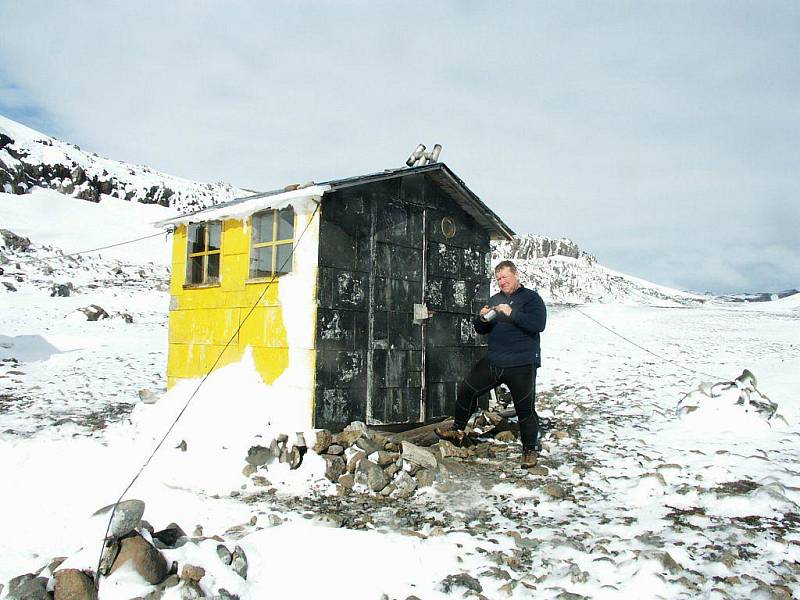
(639, 480)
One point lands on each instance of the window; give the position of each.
(273, 236)
(203, 252)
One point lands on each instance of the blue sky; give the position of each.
(661, 136)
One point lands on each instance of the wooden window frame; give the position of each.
(205, 253)
(273, 243)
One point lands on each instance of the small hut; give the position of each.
(358, 291)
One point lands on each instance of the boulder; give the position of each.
(258, 455)
(384, 458)
(334, 467)
(28, 587)
(14, 241)
(424, 477)
(368, 446)
(127, 516)
(143, 557)
(347, 438)
(448, 449)
(192, 573)
(224, 554)
(324, 440)
(94, 312)
(554, 490)
(405, 485)
(72, 584)
(335, 449)
(418, 456)
(61, 290)
(354, 460)
(370, 474)
(239, 562)
(169, 536)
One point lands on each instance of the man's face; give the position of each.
(507, 280)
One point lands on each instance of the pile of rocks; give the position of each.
(363, 460)
(133, 543)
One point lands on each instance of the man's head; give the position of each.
(507, 277)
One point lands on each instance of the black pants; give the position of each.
(521, 382)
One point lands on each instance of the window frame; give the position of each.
(273, 243)
(204, 253)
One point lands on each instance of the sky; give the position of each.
(660, 136)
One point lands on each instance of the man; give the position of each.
(513, 357)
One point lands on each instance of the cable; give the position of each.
(46, 258)
(197, 389)
(664, 358)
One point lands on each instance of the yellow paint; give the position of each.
(203, 319)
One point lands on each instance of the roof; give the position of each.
(448, 181)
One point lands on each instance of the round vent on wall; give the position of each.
(448, 227)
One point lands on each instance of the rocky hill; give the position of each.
(30, 159)
(563, 273)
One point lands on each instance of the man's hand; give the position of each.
(485, 309)
(504, 308)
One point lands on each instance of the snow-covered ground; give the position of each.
(632, 502)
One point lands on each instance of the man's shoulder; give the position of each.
(528, 293)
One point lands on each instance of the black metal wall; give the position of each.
(380, 245)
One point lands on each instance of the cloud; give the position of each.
(641, 130)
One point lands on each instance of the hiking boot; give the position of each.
(454, 436)
(528, 459)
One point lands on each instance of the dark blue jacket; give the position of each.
(514, 340)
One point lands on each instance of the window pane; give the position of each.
(286, 224)
(214, 235)
(194, 270)
(262, 227)
(283, 262)
(197, 237)
(213, 269)
(261, 262)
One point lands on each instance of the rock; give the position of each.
(13, 241)
(183, 446)
(128, 318)
(368, 446)
(296, 457)
(506, 436)
(418, 456)
(424, 477)
(383, 458)
(72, 584)
(347, 438)
(170, 535)
(224, 554)
(539, 471)
(347, 481)
(9, 286)
(391, 470)
(354, 460)
(463, 580)
(239, 562)
(61, 290)
(109, 555)
(448, 449)
(560, 435)
(94, 312)
(226, 595)
(148, 396)
(189, 590)
(258, 456)
(388, 490)
(324, 440)
(666, 560)
(192, 573)
(335, 449)
(405, 485)
(554, 490)
(329, 520)
(28, 587)
(127, 516)
(372, 475)
(357, 426)
(78, 175)
(143, 557)
(248, 470)
(334, 468)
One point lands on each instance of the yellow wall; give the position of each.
(203, 319)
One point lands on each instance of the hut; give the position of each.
(359, 291)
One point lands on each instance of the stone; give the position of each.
(127, 516)
(335, 449)
(170, 535)
(554, 490)
(28, 588)
(372, 475)
(72, 584)
(192, 573)
(368, 446)
(383, 458)
(324, 440)
(189, 590)
(448, 450)
(347, 481)
(391, 470)
(424, 477)
(354, 460)
(329, 520)
(356, 426)
(224, 554)
(539, 471)
(334, 467)
(258, 456)
(14, 241)
(94, 312)
(226, 595)
(559, 434)
(61, 290)
(418, 456)
(296, 457)
(461, 580)
(248, 470)
(405, 485)
(506, 436)
(9, 286)
(239, 562)
(347, 438)
(144, 558)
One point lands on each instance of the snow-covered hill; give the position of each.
(31, 159)
(563, 273)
